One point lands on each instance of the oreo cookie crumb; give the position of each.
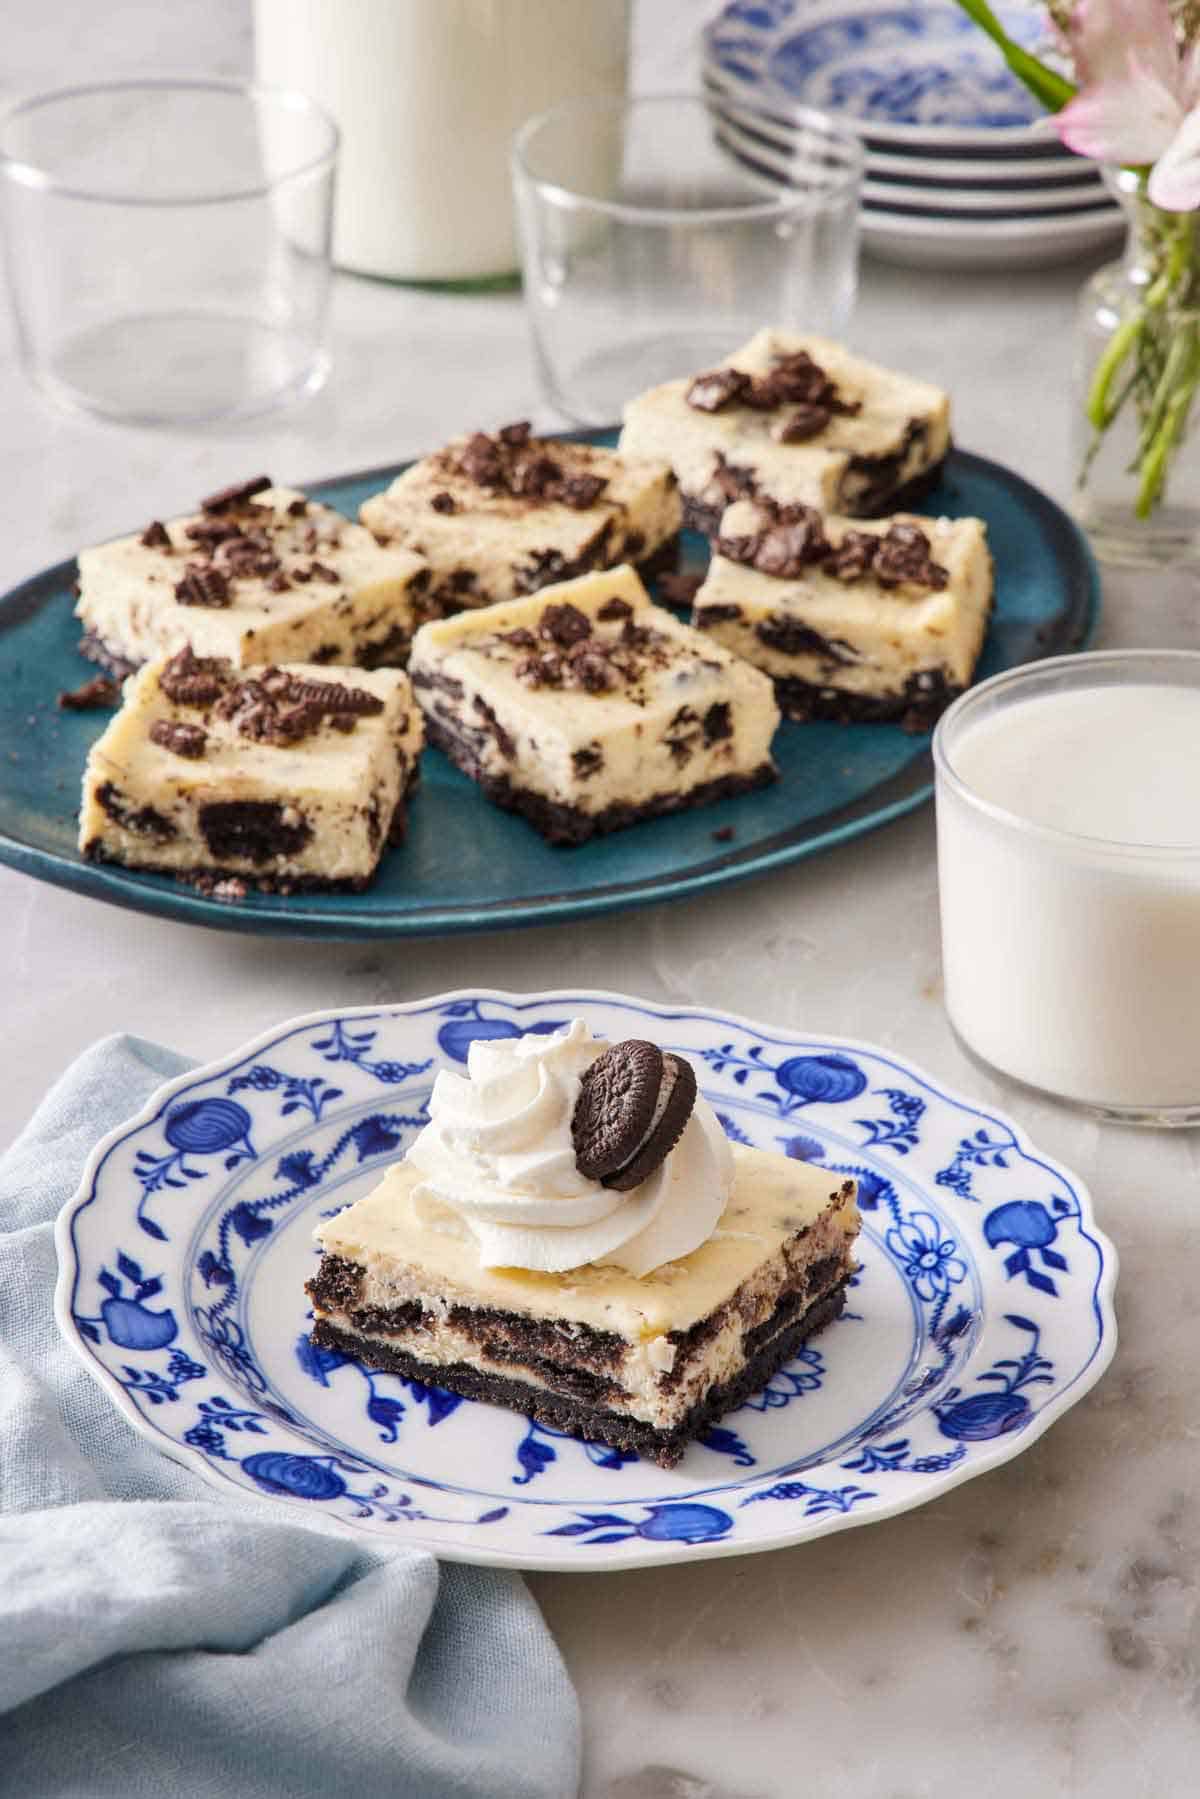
(180, 738)
(100, 691)
(227, 498)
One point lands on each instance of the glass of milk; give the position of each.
(427, 94)
(1068, 817)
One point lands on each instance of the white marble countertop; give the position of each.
(1036, 1631)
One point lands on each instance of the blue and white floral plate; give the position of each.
(904, 72)
(982, 1311)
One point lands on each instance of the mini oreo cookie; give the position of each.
(633, 1105)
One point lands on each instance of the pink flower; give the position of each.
(1137, 96)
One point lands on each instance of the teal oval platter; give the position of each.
(469, 867)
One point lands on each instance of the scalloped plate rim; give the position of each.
(640, 1553)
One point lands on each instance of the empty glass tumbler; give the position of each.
(168, 246)
(652, 248)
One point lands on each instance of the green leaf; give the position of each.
(1045, 84)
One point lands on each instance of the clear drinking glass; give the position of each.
(1068, 816)
(167, 246)
(651, 248)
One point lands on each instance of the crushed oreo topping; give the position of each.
(99, 691)
(444, 502)
(710, 392)
(614, 609)
(793, 539)
(787, 548)
(516, 463)
(297, 508)
(182, 739)
(805, 422)
(564, 624)
(155, 536)
(850, 559)
(280, 708)
(202, 585)
(904, 556)
(226, 499)
(191, 680)
(582, 491)
(794, 379)
(323, 572)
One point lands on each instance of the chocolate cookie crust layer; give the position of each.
(925, 696)
(593, 1422)
(571, 825)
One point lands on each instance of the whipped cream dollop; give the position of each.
(497, 1155)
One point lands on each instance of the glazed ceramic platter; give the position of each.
(982, 1310)
(467, 866)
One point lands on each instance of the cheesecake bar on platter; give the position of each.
(503, 515)
(585, 708)
(258, 575)
(290, 777)
(572, 1236)
(854, 621)
(796, 420)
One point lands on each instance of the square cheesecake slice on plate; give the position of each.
(795, 420)
(494, 1262)
(585, 708)
(503, 515)
(290, 778)
(878, 620)
(259, 574)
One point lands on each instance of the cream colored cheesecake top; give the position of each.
(293, 578)
(510, 516)
(135, 748)
(773, 1198)
(887, 630)
(585, 652)
(885, 414)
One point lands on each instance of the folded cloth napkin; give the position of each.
(157, 1638)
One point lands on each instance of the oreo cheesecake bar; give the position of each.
(499, 516)
(585, 708)
(794, 420)
(853, 621)
(258, 575)
(287, 777)
(573, 1237)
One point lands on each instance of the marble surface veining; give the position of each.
(1035, 1632)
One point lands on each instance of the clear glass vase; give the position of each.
(1137, 401)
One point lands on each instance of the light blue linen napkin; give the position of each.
(157, 1638)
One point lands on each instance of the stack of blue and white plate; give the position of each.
(962, 169)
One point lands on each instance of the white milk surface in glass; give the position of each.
(428, 95)
(1071, 964)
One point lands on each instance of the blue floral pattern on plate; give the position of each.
(982, 1309)
(881, 62)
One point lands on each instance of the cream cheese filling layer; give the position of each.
(644, 1368)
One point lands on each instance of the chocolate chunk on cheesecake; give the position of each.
(258, 574)
(793, 419)
(489, 1263)
(585, 708)
(497, 516)
(856, 621)
(290, 777)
